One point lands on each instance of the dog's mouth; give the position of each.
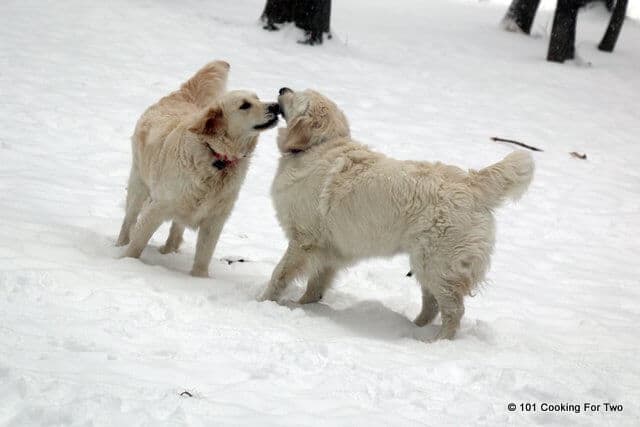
(267, 124)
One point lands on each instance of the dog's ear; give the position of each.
(210, 122)
(298, 135)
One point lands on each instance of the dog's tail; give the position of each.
(207, 84)
(507, 179)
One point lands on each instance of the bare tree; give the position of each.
(563, 32)
(615, 25)
(521, 13)
(277, 12)
(312, 16)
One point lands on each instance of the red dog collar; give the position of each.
(222, 160)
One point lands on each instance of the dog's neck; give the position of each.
(222, 161)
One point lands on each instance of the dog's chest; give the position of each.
(208, 197)
(295, 193)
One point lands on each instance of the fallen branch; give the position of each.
(511, 141)
(578, 155)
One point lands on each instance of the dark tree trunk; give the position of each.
(313, 16)
(563, 32)
(277, 12)
(615, 25)
(522, 13)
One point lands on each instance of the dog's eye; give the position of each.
(245, 106)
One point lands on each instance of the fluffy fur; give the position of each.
(191, 152)
(339, 202)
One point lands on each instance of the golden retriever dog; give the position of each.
(191, 151)
(339, 202)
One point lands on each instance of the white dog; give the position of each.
(191, 152)
(339, 202)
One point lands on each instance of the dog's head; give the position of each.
(311, 118)
(237, 118)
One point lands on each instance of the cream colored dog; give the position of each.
(339, 202)
(191, 152)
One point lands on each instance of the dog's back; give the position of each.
(161, 118)
(194, 94)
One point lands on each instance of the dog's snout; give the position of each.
(274, 108)
(284, 90)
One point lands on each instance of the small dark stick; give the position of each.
(186, 393)
(577, 155)
(511, 141)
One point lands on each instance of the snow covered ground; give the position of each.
(87, 338)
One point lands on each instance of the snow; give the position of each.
(88, 338)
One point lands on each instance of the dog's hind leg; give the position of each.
(429, 303)
(429, 308)
(174, 240)
(438, 293)
(151, 217)
(451, 309)
(137, 193)
(317, 285)
(294, 263)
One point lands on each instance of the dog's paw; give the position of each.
(421, 321)
(268, 295)
(197, 272)
(132, 252)
(309, 299)
(122, 242)
(445, 334)
(263, 298)
(424, 318)
(167, 249)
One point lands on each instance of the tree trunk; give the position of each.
(277, 12)
(520, 15)
(615, 25)
(313, 16)
(563, 32)
(610, 4)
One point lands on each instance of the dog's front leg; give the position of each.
(317, 286)
(208, 235)
(148, 222)
(290, 266)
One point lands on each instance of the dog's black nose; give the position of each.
(274, 108)
(284, 90)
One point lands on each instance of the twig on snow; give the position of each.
(581, 156)
(511, 141)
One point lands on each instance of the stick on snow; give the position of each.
(511, 141)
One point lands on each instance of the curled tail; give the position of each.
(207, 84)
(507, 179)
